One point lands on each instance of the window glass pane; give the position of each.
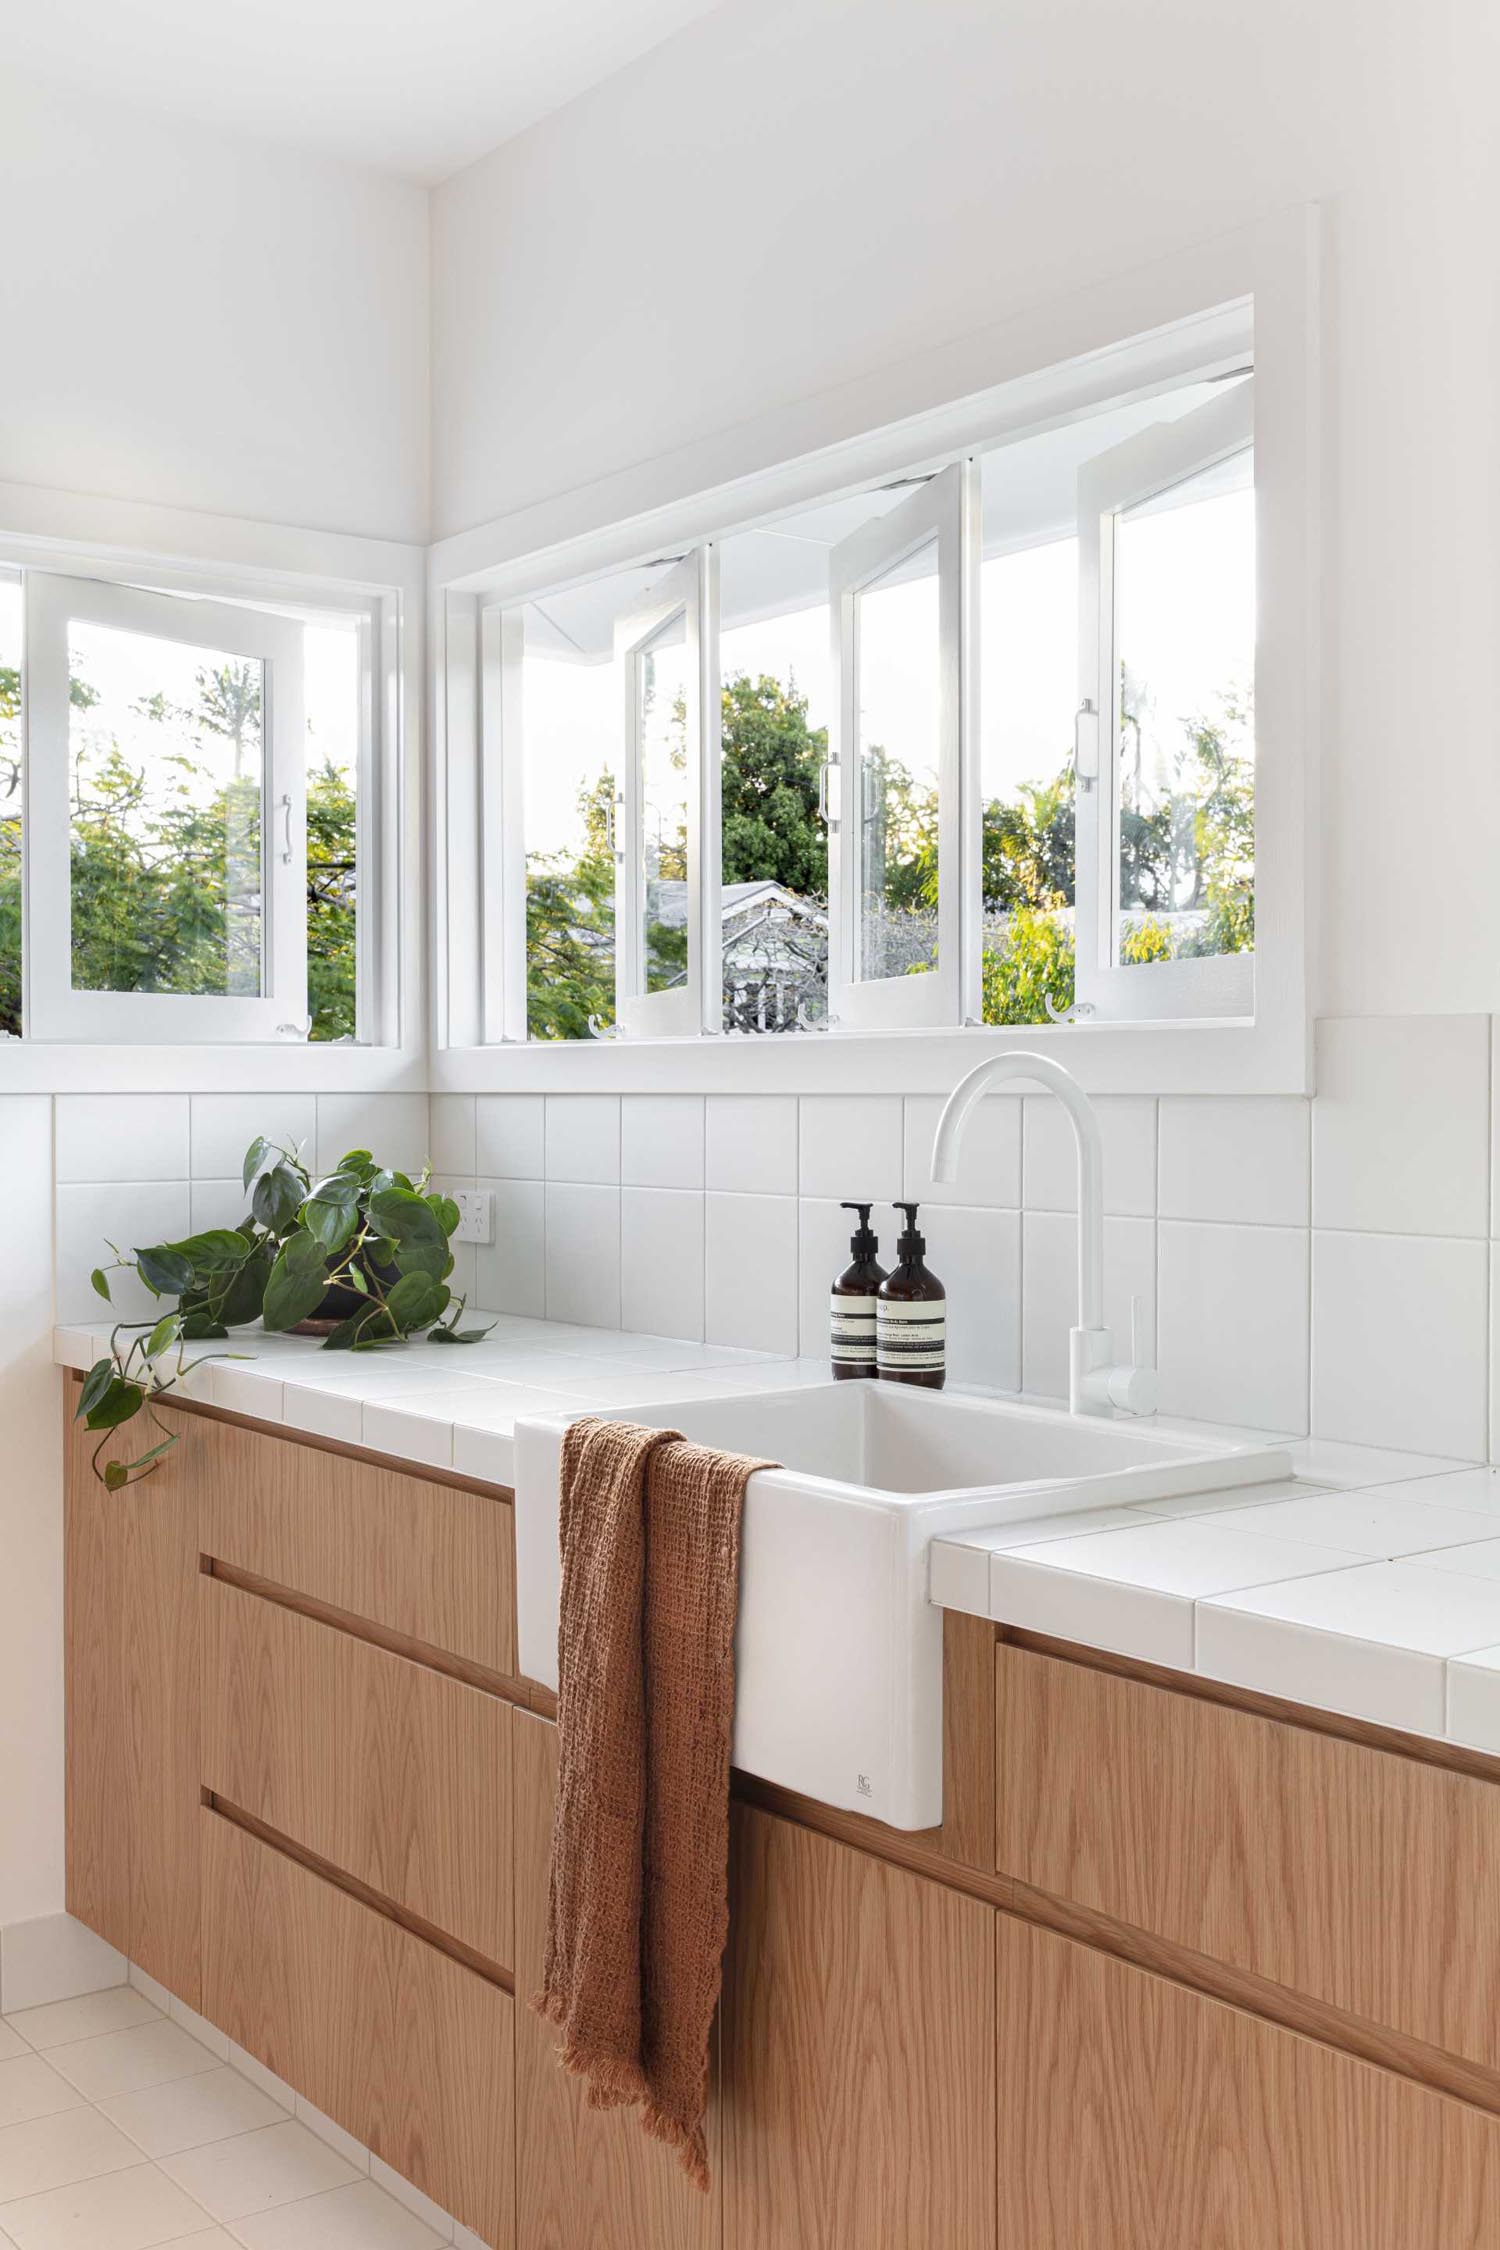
(895, 794)
(10, 807)
(167, 786)
(570, 729)
(661, 688)
(1185, 646)
(1028, 692)
(331, 683)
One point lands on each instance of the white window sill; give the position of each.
(1155, 1058)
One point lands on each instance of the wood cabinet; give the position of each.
(388, 1770)
(585, 2179)
(305, 1792)
(131, 1690)
(409, 2050)
(1137, 2115)
(858, 2042)
(1364, 1879)
(424, 1561)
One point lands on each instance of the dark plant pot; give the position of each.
(338, 1303)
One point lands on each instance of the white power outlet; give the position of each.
(476, 1215)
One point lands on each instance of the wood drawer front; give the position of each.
(1137, 2115)
(131, 1698)
(427, 1561)
(394, 1773)
(405, 2048)
(586, 2179)
(1366, 1879)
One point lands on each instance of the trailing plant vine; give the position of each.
(364, 1251)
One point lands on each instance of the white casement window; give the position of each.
(199, 810)
(1000, 723)
(657, 825)
(102, 657)
(894, 796)
(1165, 726)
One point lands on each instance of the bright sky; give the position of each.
(124, 667)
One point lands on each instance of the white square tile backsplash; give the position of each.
(1374, 1331)
(122, 1137)
(1401, 1128)
(1049, 1162)
(1399, 1342)
(661, 1141)
(1232, 1328)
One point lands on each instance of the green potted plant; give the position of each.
(360, 1257)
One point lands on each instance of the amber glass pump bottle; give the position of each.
(852, 1304)
(911, 1316)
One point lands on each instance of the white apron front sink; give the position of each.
(839, 1653)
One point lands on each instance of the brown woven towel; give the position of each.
(638, 1908)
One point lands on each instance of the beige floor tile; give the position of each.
(48, 2152)
(361, 2217)
(134, 2210)
(190, 2112)
(11, 2043)
(30, 2087)
(119, 2009)
(256, 2171)
(120, 2061)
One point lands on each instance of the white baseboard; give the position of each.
(54, 1957)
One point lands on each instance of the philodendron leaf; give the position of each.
(458, 1335)
(277, 1198)
(164, 1270)
(421, 1244)
(297, 1282)
(115, 1404)
(332, 1217)
(164, 1335)
(100, 1283)
(95, 1384)
(416, 1302)
(444, 1210)
(255, 1157)
(360, 1162)
(218, 1250)
(201, 1328)
(116, 1476)
(243, 1299)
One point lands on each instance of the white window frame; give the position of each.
(1198, 315)
(932, 516)
(685, 592)
(1151, 463)
(54, 1010)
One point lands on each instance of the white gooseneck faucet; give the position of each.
(1096, 1384)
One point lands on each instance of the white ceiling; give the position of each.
(418, 89)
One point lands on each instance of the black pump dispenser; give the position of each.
(911, 1321)
(910, 1245)
(852, 1303)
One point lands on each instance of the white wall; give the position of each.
(792, 193)
(207, 322)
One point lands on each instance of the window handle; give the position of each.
(609, 827)
(827, 768)
(287, 854)
(1086, 743)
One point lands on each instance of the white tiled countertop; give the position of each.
(453, 1406)
(1369, 1584)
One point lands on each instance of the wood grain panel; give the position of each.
(402, 2046)
(1134, 2115)
(391, 1772)
(426, 1560)
(1364, 1879)
(131, 1569)
(585, 2179)
(858, 2052)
